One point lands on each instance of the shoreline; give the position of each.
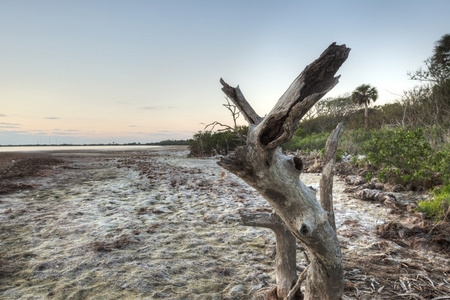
(76, 148)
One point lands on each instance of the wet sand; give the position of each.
(158, 225)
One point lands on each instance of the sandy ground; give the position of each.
(159, 225)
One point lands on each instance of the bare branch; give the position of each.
(265, 220)
(235, 113)
(308, 88)
(216, 123)
(301, 278)
(239, 100)
(326, 182)
(285, 259)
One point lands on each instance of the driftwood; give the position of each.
(326, 182)
(374, 195)
(285, 258)
(276, 176)
(294, 290)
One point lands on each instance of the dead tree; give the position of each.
(262, 165)
(326, 181)
(285, 257)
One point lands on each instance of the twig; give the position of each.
(292, 292)
(215, 123)
(445, 217)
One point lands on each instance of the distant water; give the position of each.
(71, 148)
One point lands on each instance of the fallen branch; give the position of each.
(293, 291)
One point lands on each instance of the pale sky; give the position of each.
(143, 71)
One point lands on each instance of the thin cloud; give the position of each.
(8, 126)
(175, 131)
(2, 115)
(66, 130)
(12, 124)
(51, 118)
(158, 107)
(12, 132)
(132, 126)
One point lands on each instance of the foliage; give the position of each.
(439, 205)
(316, 125)
(335, 107)
(172, 143)
(435, 106)
(441, 163)
(404, 156)
(339, 154)
(369, 176)
(351, 141)
(438, 66)
(208, 143)
(314, 141)
(363, 95)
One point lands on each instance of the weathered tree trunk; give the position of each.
(285, 258)
(276, 176)
(326, 182)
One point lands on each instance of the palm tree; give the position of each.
(364, 94)
(442, 51)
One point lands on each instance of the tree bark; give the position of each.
(276, 176)
(285, 258)
(326, 182)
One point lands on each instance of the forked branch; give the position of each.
(308, 88)
(239, 100)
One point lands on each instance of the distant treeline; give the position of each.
(169, 143)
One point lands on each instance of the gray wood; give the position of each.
(326, 181)
(274, 175)
(285, 258)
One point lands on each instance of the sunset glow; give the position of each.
(145, 71)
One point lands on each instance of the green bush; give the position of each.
(441, 163)
(351, 141)
(314, 141)
(207, 143)
(404, 156)
(339, 154)
(439, 204)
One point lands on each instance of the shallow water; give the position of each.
(75, 148)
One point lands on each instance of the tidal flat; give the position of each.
(159, 225)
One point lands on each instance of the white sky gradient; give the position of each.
(144, 71)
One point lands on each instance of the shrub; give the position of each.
(439, 204)
(207, 143)
(314, 141)
(403, 156)
(351, 141)
(441, 164)
(339, 154)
